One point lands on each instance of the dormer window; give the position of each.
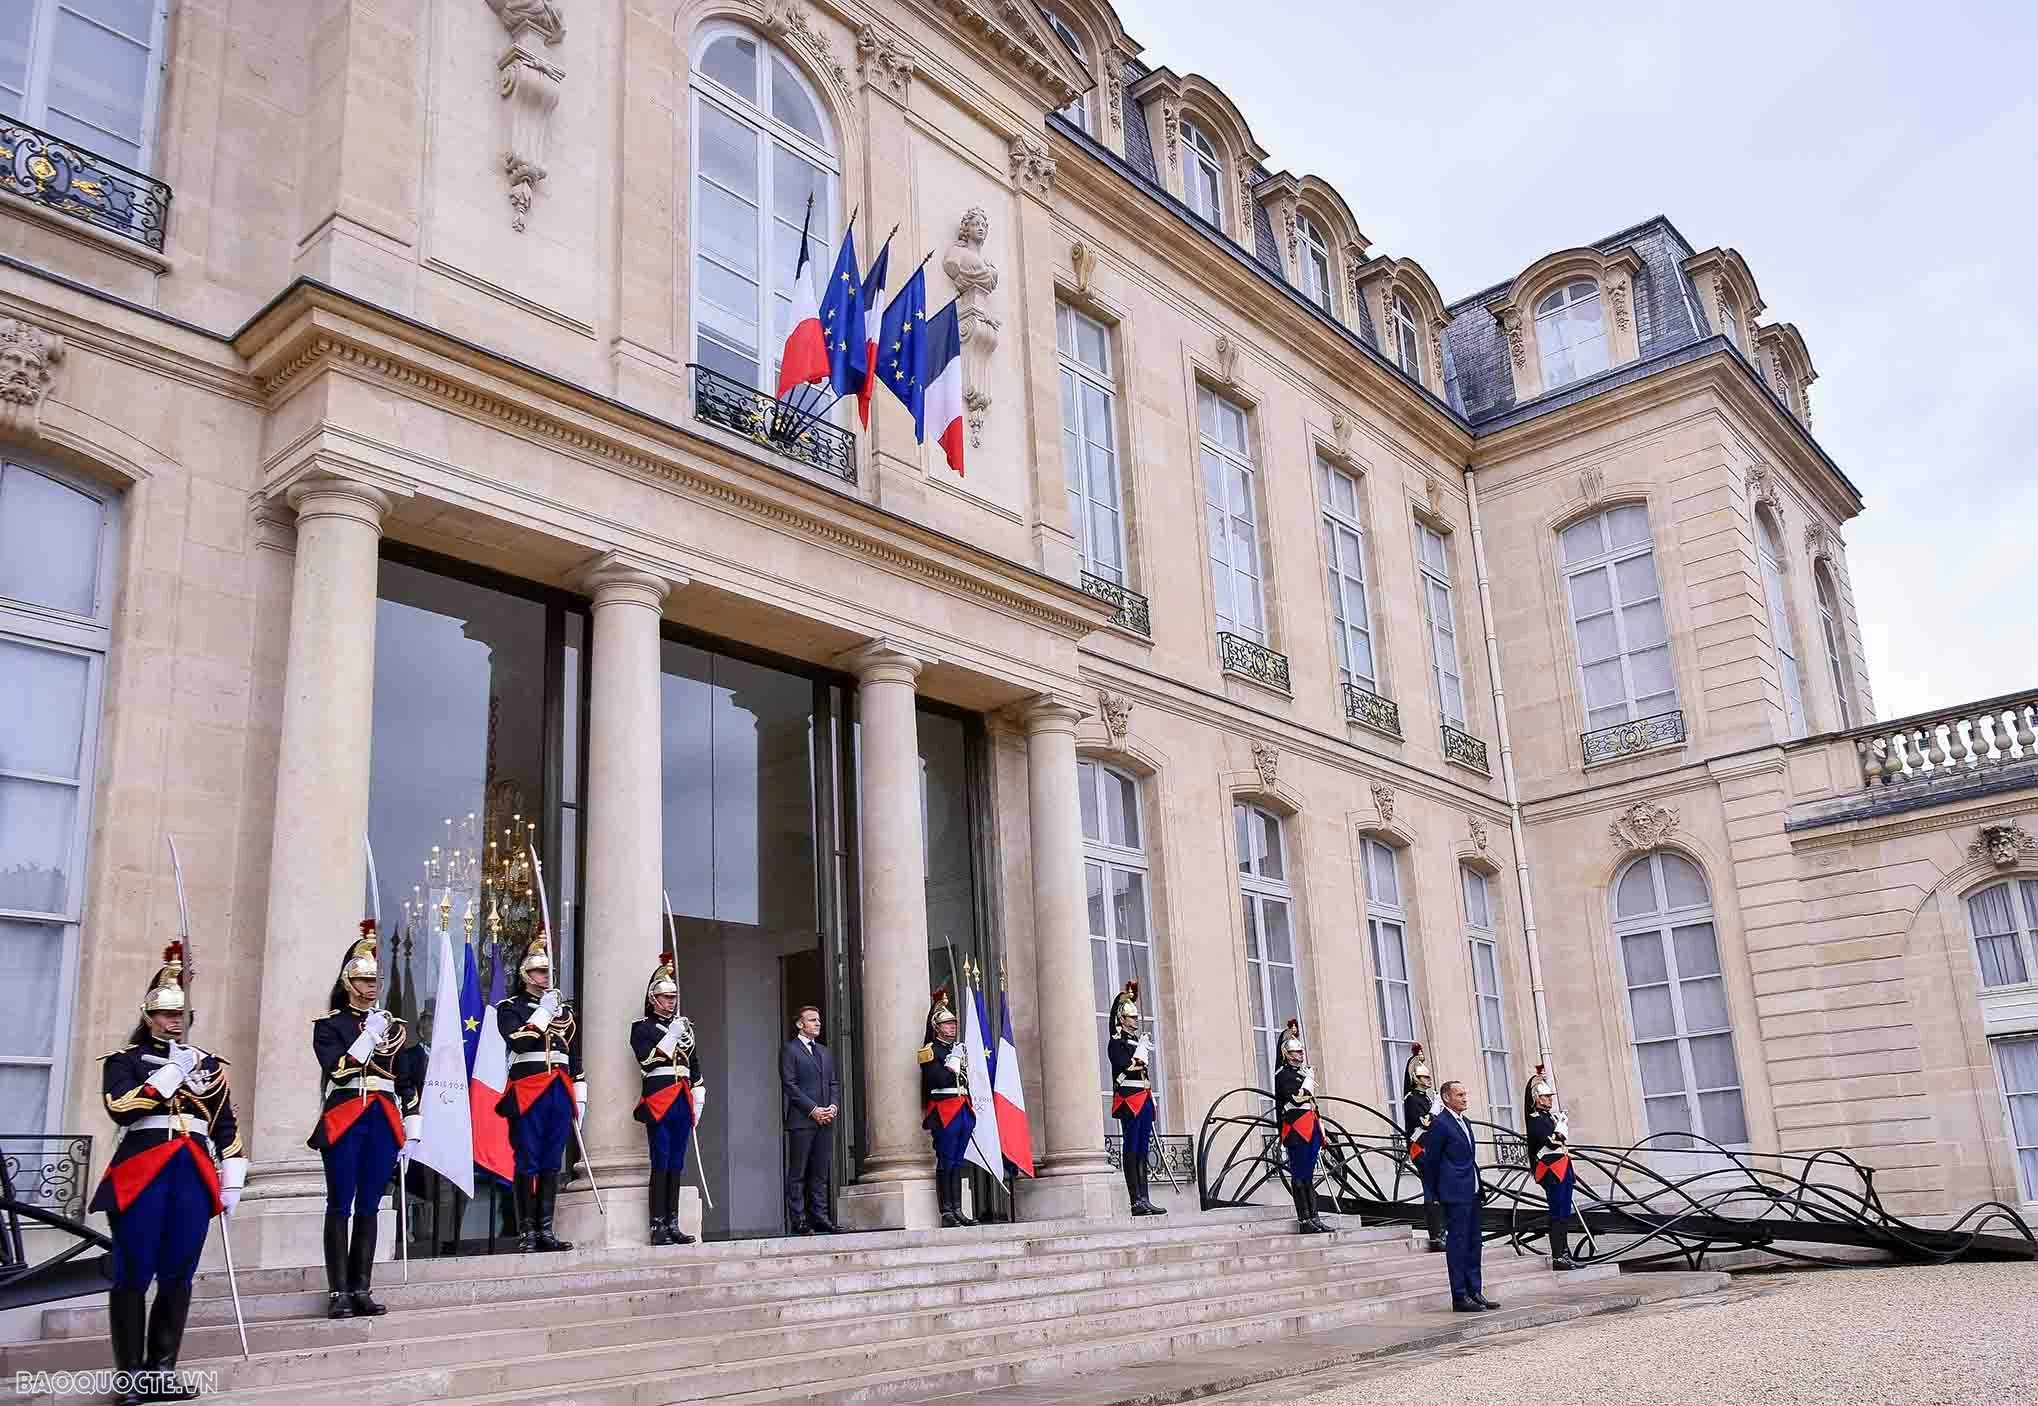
(1202, 176)
(1407, 338)
(1315, 254)
(1077, 111)
(1730, 323)
(1571, 333)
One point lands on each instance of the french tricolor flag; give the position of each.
(805, 358)
(941, 407)
(487, 1074)
(873, 319)
(1008, 1096)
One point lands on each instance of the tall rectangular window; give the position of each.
(1481, 930)
(1089, 442)
(1393, 982)
(1344, 557)
(2018, 1062)
(1835, 635)
(87, 71)
(1121, 939)
(1231, 500)
(56, 610)
(1272, 992)
(1617, 617)
(1443, 633)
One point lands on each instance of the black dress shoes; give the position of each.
(1465, 1306)
(824, 1227)
(1484, 1302)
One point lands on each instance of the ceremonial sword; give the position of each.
(552, 965)
(226, 1243)
(694, 1128)
(403, 1152)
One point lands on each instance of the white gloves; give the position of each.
(550, 1003)
(954, 1062)
(671, 1041)
(700, 1101)
(1563, 1127)
(1308, 1080)
(413, 1128)
(376, 1024)
(580, 1097)
(233, 1175)
(547, 1011)
(1435, 1105)
(166, 1080)
(363, 1046)
(1143, 1048)
(184, 1057)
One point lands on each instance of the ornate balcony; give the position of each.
(48, 171)
(48, 1173)
(1630, 738)
(1382, 715)
(1938, 746)
(1132, 611)
(1465, 749)
(1243, 657)
(778, 426)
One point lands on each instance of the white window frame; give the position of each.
(1407, 336)
(1109, 857)
(1077, 375)
(1200, 158)
(1342, 569)
(1315, 263)
(1730, 322)
(2023, 1153)
(2020, 941)
(1789, 673)
(1565, 358)
(1078, 110)
(1261, 892)
(42, 31)
(1489, 1007)
(1387, 925)
(1663, 924)
(1608, 560)
(1433, 559)
(1834, 633)
(769, 130)
(89, 636)
(1231, 491)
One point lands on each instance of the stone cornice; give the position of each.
(1011, 38)
(313, 330)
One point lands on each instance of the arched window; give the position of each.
(1677, 1001)
(1393, 980)
(761, 151)
(1571, 333)
(1407, 338)
(1730, 322)
(1315, 262)
(56, 611)
(1834, 633)
(1202, 175)
(2005, 926)
(1272, 993)
(1121, 940)
(1078, 111)
(1482, 924)
(1779, 624)
(1617, 617)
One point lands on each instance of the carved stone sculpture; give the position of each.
(2002, 845)
(530, 84)
(1383, 801)
(539, 15)
(1267, 762)
(1032, 163)
(1591, 483)
(882, 61)
(975, 279)
(1117, 711)
(1477, 829)
(26, 355)
(1642, 826)
(1227, 359)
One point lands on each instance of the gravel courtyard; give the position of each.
(1917, 1336)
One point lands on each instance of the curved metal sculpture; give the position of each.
(1652, 1204)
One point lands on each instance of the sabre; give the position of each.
(694, 1129)
(375, 912)
(545, 917)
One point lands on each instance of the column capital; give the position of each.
(885, 660)
(1048, 712)
(335, 495)
(613, 578)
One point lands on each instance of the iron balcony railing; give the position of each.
(48, 1172)
(1251, 660)
(1132, 609)
(1627, 739)
(1465, 749)
(1369, 709)
(793, 428)
(48, 171)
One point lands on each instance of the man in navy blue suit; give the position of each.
(1450, 1173)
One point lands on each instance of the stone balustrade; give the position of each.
(1948, 742)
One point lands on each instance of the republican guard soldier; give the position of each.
(369, 1110)
(546, 1092)
(1419, 1106)
(949, 1117)
(1549, 1150)
(1301, 1138)
(178, 1164)
(673, 1094)
(1132, 1096)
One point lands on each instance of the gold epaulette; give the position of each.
(327, 1016)
(927, 1054)
(121, 1051)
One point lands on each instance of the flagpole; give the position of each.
(956, 985)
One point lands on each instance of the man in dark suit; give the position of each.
(813, 1098)
(1450, 1173)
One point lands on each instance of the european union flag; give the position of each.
(471, 1008)
(898, 344)
(842, 321)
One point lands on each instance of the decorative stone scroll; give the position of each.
(1763, 493)
(27, 354)
(789, 22)
(1383, 801)
(1511, 328)
(1227, 359)
(1267, 762)
(1642, 826)
(1083, 261)
(1341, 433)
(1117, 711)
(1476, 828)
(530, 84)
(975, 279)
(882, 61)
(1591, 483)
(1171, 124)
(1032, 163)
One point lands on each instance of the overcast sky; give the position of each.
(1876, 163)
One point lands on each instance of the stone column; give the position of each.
(896, 1188)
(624, 919)
(317, 856)
(1076, 1180)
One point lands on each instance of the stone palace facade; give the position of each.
(388, 449)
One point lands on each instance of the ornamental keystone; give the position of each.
(27, 354)
(1642, 826)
